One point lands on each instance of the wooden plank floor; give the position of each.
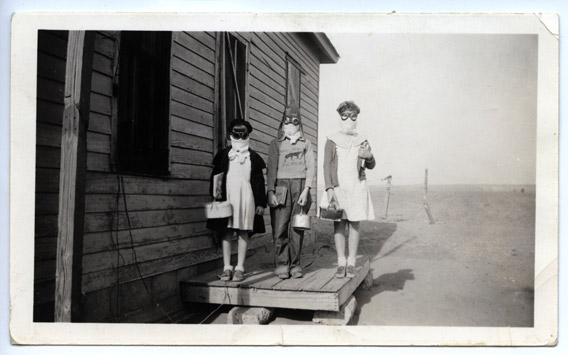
(319, 289)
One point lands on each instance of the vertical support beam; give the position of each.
(426, 206)
(72, 176)
(218, 115)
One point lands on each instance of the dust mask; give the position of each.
(348, 126)
(239, 145)
(291, 129)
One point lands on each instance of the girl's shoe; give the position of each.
(340, 272)
(284, 275)
(238, 276)
(350, 271)
(297, 274)
(226, 275)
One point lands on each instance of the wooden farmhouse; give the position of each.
(127, 126)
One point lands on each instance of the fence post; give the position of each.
(426, 207)
(388, 188)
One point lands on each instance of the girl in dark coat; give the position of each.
(243, 186)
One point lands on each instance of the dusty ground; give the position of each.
(473, 267)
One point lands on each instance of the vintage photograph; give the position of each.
(336, 179)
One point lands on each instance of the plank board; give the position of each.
(188, 41)
(319, 289)
(261, 297)
(192, 86)
(183, 140)
(105, 241)
(106, 278)
(106, 183)
(192, 72)
(189, 56)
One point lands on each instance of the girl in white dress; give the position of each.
(347, 154)
(242, 185)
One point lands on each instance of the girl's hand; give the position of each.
(259, 210)
(332, 199)
(365, 151)
(303, 199)
(272, 200)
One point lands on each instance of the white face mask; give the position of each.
(348, 126)
(239, 144)
(291, 129)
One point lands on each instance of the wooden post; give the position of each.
(426, 207)
(72, 176)
(217, 103)
(388, 179)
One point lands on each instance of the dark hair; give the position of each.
(239, 122)
(348, 106)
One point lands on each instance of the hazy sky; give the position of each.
(463, 106)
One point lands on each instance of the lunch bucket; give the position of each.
(218, 209)
(301, 221)
(331, 214)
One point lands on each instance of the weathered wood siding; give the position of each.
(52, 52)
(165, 223)
(163, 235)
(268, 89)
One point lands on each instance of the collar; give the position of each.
(345, 140)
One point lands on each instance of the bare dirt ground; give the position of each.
(473, 267)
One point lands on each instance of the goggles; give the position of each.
(239, 135)
(351, 115)
(293, 120)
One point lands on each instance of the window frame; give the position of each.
(292, 63)
(221, 72)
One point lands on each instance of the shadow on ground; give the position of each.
(386, 282)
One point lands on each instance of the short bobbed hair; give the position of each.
(348, 106)
(239, 122)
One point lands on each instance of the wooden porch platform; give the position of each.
(318, 290)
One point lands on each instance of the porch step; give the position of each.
(318, 290)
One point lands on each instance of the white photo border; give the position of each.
(23, 330)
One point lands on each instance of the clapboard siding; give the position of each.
(180, 51)
(49, 112)
(98, 242)
(107, 278)
(52, 51)
(98, 162)
(102, 64)
(100, 127)
(99, 123)
(197, 143)
(47, 180)
(190, 156)
(106, 183)
(159, 235)
(179, 124)
(147, 252)
(180, 66)
(165, 218)
(184, 110)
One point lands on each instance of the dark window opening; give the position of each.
(143, 102)
(293, 82)
(234, 78)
